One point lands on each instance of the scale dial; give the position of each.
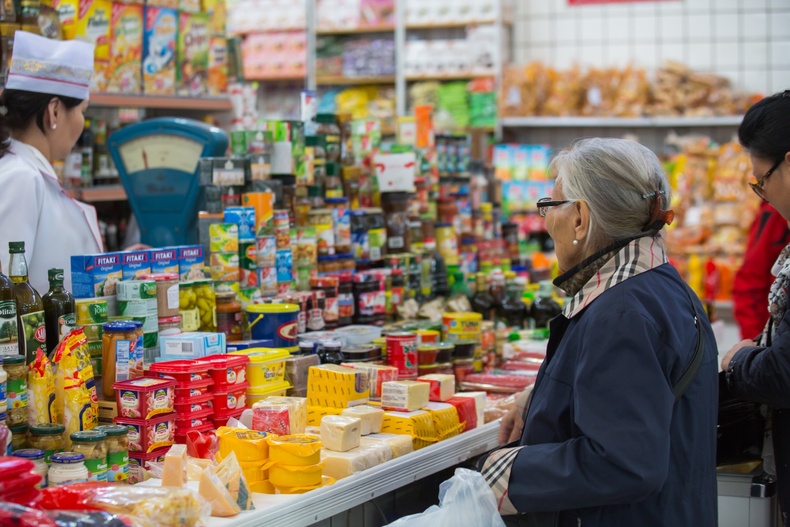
(159, 151)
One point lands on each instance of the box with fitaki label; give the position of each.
(191, 262)
(135, 264)
(95, 275)
(164, 261)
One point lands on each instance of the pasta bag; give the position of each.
(42, 404)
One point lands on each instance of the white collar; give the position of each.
(32, 154)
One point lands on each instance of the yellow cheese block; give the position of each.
(297, 411)
(174, 472)
(229, 472)
(262, 487)
(325, 481)
(399, 445)
(445, 419)
(255, 470)
(340, 433)
(214, 492)
(299, 450)
(371, 418)
(316, 413)
(296, 475)
(249, 445)
(418, 425)
(377, 374)
(336, 386)
(404, 396)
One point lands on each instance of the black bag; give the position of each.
(741, 428)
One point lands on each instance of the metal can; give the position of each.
(427, 336)
(267, 277)
(266, 251)
(461, 326)
(402, 354)
(91, 311)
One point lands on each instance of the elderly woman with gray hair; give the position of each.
(621, 426)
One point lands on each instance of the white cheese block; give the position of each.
(297, 411)
(442, 386)
(480, 404)
(174, 472)
(372, 418)
(400, 444)
(214, 492)
(405, 396)
(340, 433)
(340, 465)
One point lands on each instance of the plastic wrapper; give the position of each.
(75, 389)
(41, 392)
(497, 407)
(272, 418)
(89, 519)
(201, 445)
(195, 467)
(230, 473)
(19, 516)
(214, 492)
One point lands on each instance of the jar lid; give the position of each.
(113, 430)
(13, 359)
(225, 295)
(336, 201)
(119, 326)
(326, 118)
(47, 429)
(88, 436)
(18, 429)
(170, 320)
(136, 323)
(29, 453)
(67, 458)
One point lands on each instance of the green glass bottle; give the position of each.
(29, 307)
(9, 340)
(59, 310)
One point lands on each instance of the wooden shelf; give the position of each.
(205, 104)
(284, 78)
(339, 80)
(453, 25)
(449, 77)
(389, 130)
(100, 193)
(356, 30)
(619, 122)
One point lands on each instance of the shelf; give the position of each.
(340, 80)
(453, 25)
(356, 30)
(100, 193)
(389, 130)
(209, 104)
(619, 122)
(449, 77)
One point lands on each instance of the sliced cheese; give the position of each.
(442, 386)
(371, 418)
(480, 404)
(174, 472)
(404, 396)
(316, 413)
(378, 374)
(297, 411)
(418, 425)
(445, 420)
(399, 444)
(340, 433)
(230, 473)
(214, 492)
(340, 465)
(336, 386)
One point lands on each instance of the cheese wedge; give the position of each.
(340, 433)
(404, 396)
(230, 473)
(214, 492)
(174, 473)
(371, 418)
(480, 404)
(399, 444)
(442, 386)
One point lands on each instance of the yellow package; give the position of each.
(67, 13)
(249, 445)
(336, 386)
(217, 66)
(445, 420)
(299, 449)
(218, 11)
(41, 392)
(419, 425)
(225, 267)
(93, 25)
(126, 46)
(75, 390)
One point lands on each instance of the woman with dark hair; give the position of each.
(759, 370)
(41, 119)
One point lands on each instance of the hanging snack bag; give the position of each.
(41, 392)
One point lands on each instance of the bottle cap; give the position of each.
(16, 247)
(55, 275)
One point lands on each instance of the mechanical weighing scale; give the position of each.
(157, 161)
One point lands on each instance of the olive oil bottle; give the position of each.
(59, 310)
(9, 334)
(29, 307)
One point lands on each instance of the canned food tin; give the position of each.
(267, 277)
(427, 336)
(402, 354)
(461, 326)
(248, 256)
(91, 311)
(266, 251)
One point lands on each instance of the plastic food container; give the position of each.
(464, 349)
(181, 434)
(266, 366)
(425, 369)
(185, 390)
(192, 420)
(138, 460)
(230, 399)
(144, 398)
(359, 335)
(446, 350)
(221, 418)
(275, 389)
(274, 321)
(193, 404)
(146, 435)
(180, 370)
(227, 370)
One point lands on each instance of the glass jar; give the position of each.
(396, 207)
(115, 335)
(316, 198)
(67, 468)
(333, 186)
(369, 299)
(446, 210)
(327, 127)
(48, 437)
(321, 219)
(351, 189)
(328, 285)
(117, 443)
(328, 265)
(345, 299)
(166, 293)
(16, 389)
(318, 142)
(18, 437)
(289, 194)
(187, 307)
(341, 220)
(377, 233)
(169, 326)
(40, 467)
(315, 311)
(302, 208)
(346, 262)
(91, 444)
(206, 304)
(229, 316)
(415, 236)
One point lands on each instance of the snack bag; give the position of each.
(75, 390)
(41, 392)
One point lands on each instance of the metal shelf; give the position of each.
(451, 25)
(340, 80)
(619, 122)
(209, 104)
(307, 509)
(356, 30)
(449, 77)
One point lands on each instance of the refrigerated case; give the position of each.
(747, 500)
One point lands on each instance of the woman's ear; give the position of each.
(54, 109)
(581, 224)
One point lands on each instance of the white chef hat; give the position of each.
(55, 67)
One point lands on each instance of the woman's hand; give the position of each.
(725, 362)
(511, 425)
(137, 247)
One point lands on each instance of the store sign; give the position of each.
(590, 2)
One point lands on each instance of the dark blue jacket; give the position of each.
(608, 445)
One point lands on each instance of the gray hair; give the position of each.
(611, 176)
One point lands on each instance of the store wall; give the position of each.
(747, 41)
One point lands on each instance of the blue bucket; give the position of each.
(277, 322)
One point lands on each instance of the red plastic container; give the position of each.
(146, 435)
(138, 460)
(191, 420)
(227, 370)
(180, 370)
(221, 418)
(193, 404)
(181, 435)
(185, 390)
(230, 399)
(144, 398)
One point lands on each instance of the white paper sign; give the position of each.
(395, 172)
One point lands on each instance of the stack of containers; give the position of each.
(137, 302)
(192, 400)
(265, 371)
(265, 242)
(91, 316)
(284, 255)
(305, 256)
(224, 249)
(464, 330)
(146, 409)
(229, 393)
(249, 281)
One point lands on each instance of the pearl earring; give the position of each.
(54, 126)
(575, 242)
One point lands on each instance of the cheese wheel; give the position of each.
(296, 450)
(249, 445)
(296, 476)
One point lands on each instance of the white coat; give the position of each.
(35, 209)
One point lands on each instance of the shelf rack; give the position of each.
(619, 122)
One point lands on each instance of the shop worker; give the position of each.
(621, 427)
(759, 370)
(41, 118)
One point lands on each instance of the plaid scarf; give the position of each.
(777, 297)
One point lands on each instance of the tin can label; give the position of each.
(402, 354)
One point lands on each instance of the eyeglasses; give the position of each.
(545, 203)
(758, 187)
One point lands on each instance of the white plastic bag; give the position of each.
(464, 499)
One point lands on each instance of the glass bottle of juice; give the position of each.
(29, 307)
(59, 310)
(9, 335)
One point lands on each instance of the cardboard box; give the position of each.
(191, 262)
(126, 49)
(93, 25)
(95, 275)
(159, 51)
(218, 66)
(164, 260)
(193, 51)
(68, 12)
(108, 410)
(135, 264)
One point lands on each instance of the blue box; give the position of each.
(247, 344)
(135, 264)
(244, 217)
(95, 275)
(284, 265)
(191, 346)
(191, 262)
(164, 260)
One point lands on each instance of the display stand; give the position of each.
(307, 509)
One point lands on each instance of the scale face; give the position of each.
(158, 163)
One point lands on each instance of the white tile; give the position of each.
(674, 52)
(592, 56)
(538, 53)
(725, 5)
(565, 56)
(780, 54)
(617, 9)
(591, 10)
(727, 55)
(697, 6)
(780, 81)
(540, 30)
(778, 4)
(645, 56)
(755, 54)
(564, 30)
(725, 26)
(754, 4)
(617, 55)
(756, 81)
(618, 28)
(700, 27)
(754, 25)
(539, 7)
(780, 25)
(645, 8)
(592, 29)
(645, 28)
(733, 75)
(700, 56)
(670, 7)
(671, 27)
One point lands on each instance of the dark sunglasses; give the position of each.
(545, 203)
(758, 187)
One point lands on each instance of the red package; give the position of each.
(467, 411)
(11, 467)
(201, 445)
(73, 497)
(272, 418)
(19, 516)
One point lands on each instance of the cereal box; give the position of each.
(164, 260)
(168, 4)
(126, 47)
(193, 50)
(68, 11)
(191, 262)
(225, 267)
(218, 11)
(95, 275)
(135, 264)
(217, 66)
(189, 6)
(244, 217)
(159, 51)
(93, 25)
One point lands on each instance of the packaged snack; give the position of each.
(95, 275)
(146, 435)
(125, 76)
(217, 66)
(75, 389)
(230, 473)
(159, 50)
(191, 262)
(41, 392)
(193, 51)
